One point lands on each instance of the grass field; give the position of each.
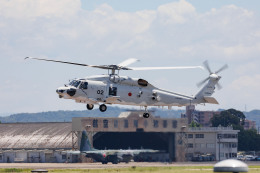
(175, 169)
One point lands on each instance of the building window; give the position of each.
(210, 145)
(95, 123)
(63, 156)
(164, 123)
(190, 145)
(115, 123)
(136, 123)
(155, 123)
(229, 136)
(234, 145)
(199, 135)
(234, 154)
(190, 135)
(1, 157)
(221, 145)
(174, 124)
(220, 136)
(126, 123)
(105, 123)
(198, 146)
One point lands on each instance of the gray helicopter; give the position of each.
(123, 90)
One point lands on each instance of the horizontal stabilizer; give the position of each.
(211, 100)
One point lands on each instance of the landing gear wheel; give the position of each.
(102, 108)
(90, 106)
(146, 115)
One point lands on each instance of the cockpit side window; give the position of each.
(74, 83)
(84, 85)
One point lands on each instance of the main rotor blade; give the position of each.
(59, 61)
(163, 68)
(127, 62)
(222, 68)
(206, 64)
(202, 82)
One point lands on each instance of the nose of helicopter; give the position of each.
(62, 91)
(59, 91)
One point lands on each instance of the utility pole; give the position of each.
(219, 137)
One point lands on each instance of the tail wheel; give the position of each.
(146, 115)
(102, 108)
(90, 106)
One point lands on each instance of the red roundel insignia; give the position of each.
(129, 94)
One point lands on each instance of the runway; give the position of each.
(103, 166)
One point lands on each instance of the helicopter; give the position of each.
(124, 90)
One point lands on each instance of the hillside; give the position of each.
(66, 116)
(253, 115)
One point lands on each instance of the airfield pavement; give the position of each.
(103, 166)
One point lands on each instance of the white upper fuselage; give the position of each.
(114, 89)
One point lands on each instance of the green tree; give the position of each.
(194, 124)
(248, 140)
(230, 117)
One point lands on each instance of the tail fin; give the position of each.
(85, 144)
(204, 95)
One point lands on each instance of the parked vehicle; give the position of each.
(249, 158)
(257, 158)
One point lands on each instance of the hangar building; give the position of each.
(36, 142)
(131, 130)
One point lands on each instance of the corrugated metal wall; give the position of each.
(35, 135)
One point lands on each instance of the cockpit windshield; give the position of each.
(74, 83)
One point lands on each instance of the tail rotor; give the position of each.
(212, 75)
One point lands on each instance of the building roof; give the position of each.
(35, 136)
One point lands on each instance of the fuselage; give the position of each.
(114, 89)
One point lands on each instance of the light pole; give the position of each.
(219, 137)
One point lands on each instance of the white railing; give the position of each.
(209, 128)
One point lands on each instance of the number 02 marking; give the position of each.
(100, 92)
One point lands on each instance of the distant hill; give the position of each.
(253, 115)
(66, 116)
(112, 111)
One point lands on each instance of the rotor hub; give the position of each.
(214, 76)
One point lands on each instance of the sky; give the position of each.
(158, 33)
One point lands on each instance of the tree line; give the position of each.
(248, 140)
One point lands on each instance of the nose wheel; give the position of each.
(103, 108)
(90, 106)
(146, 115)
